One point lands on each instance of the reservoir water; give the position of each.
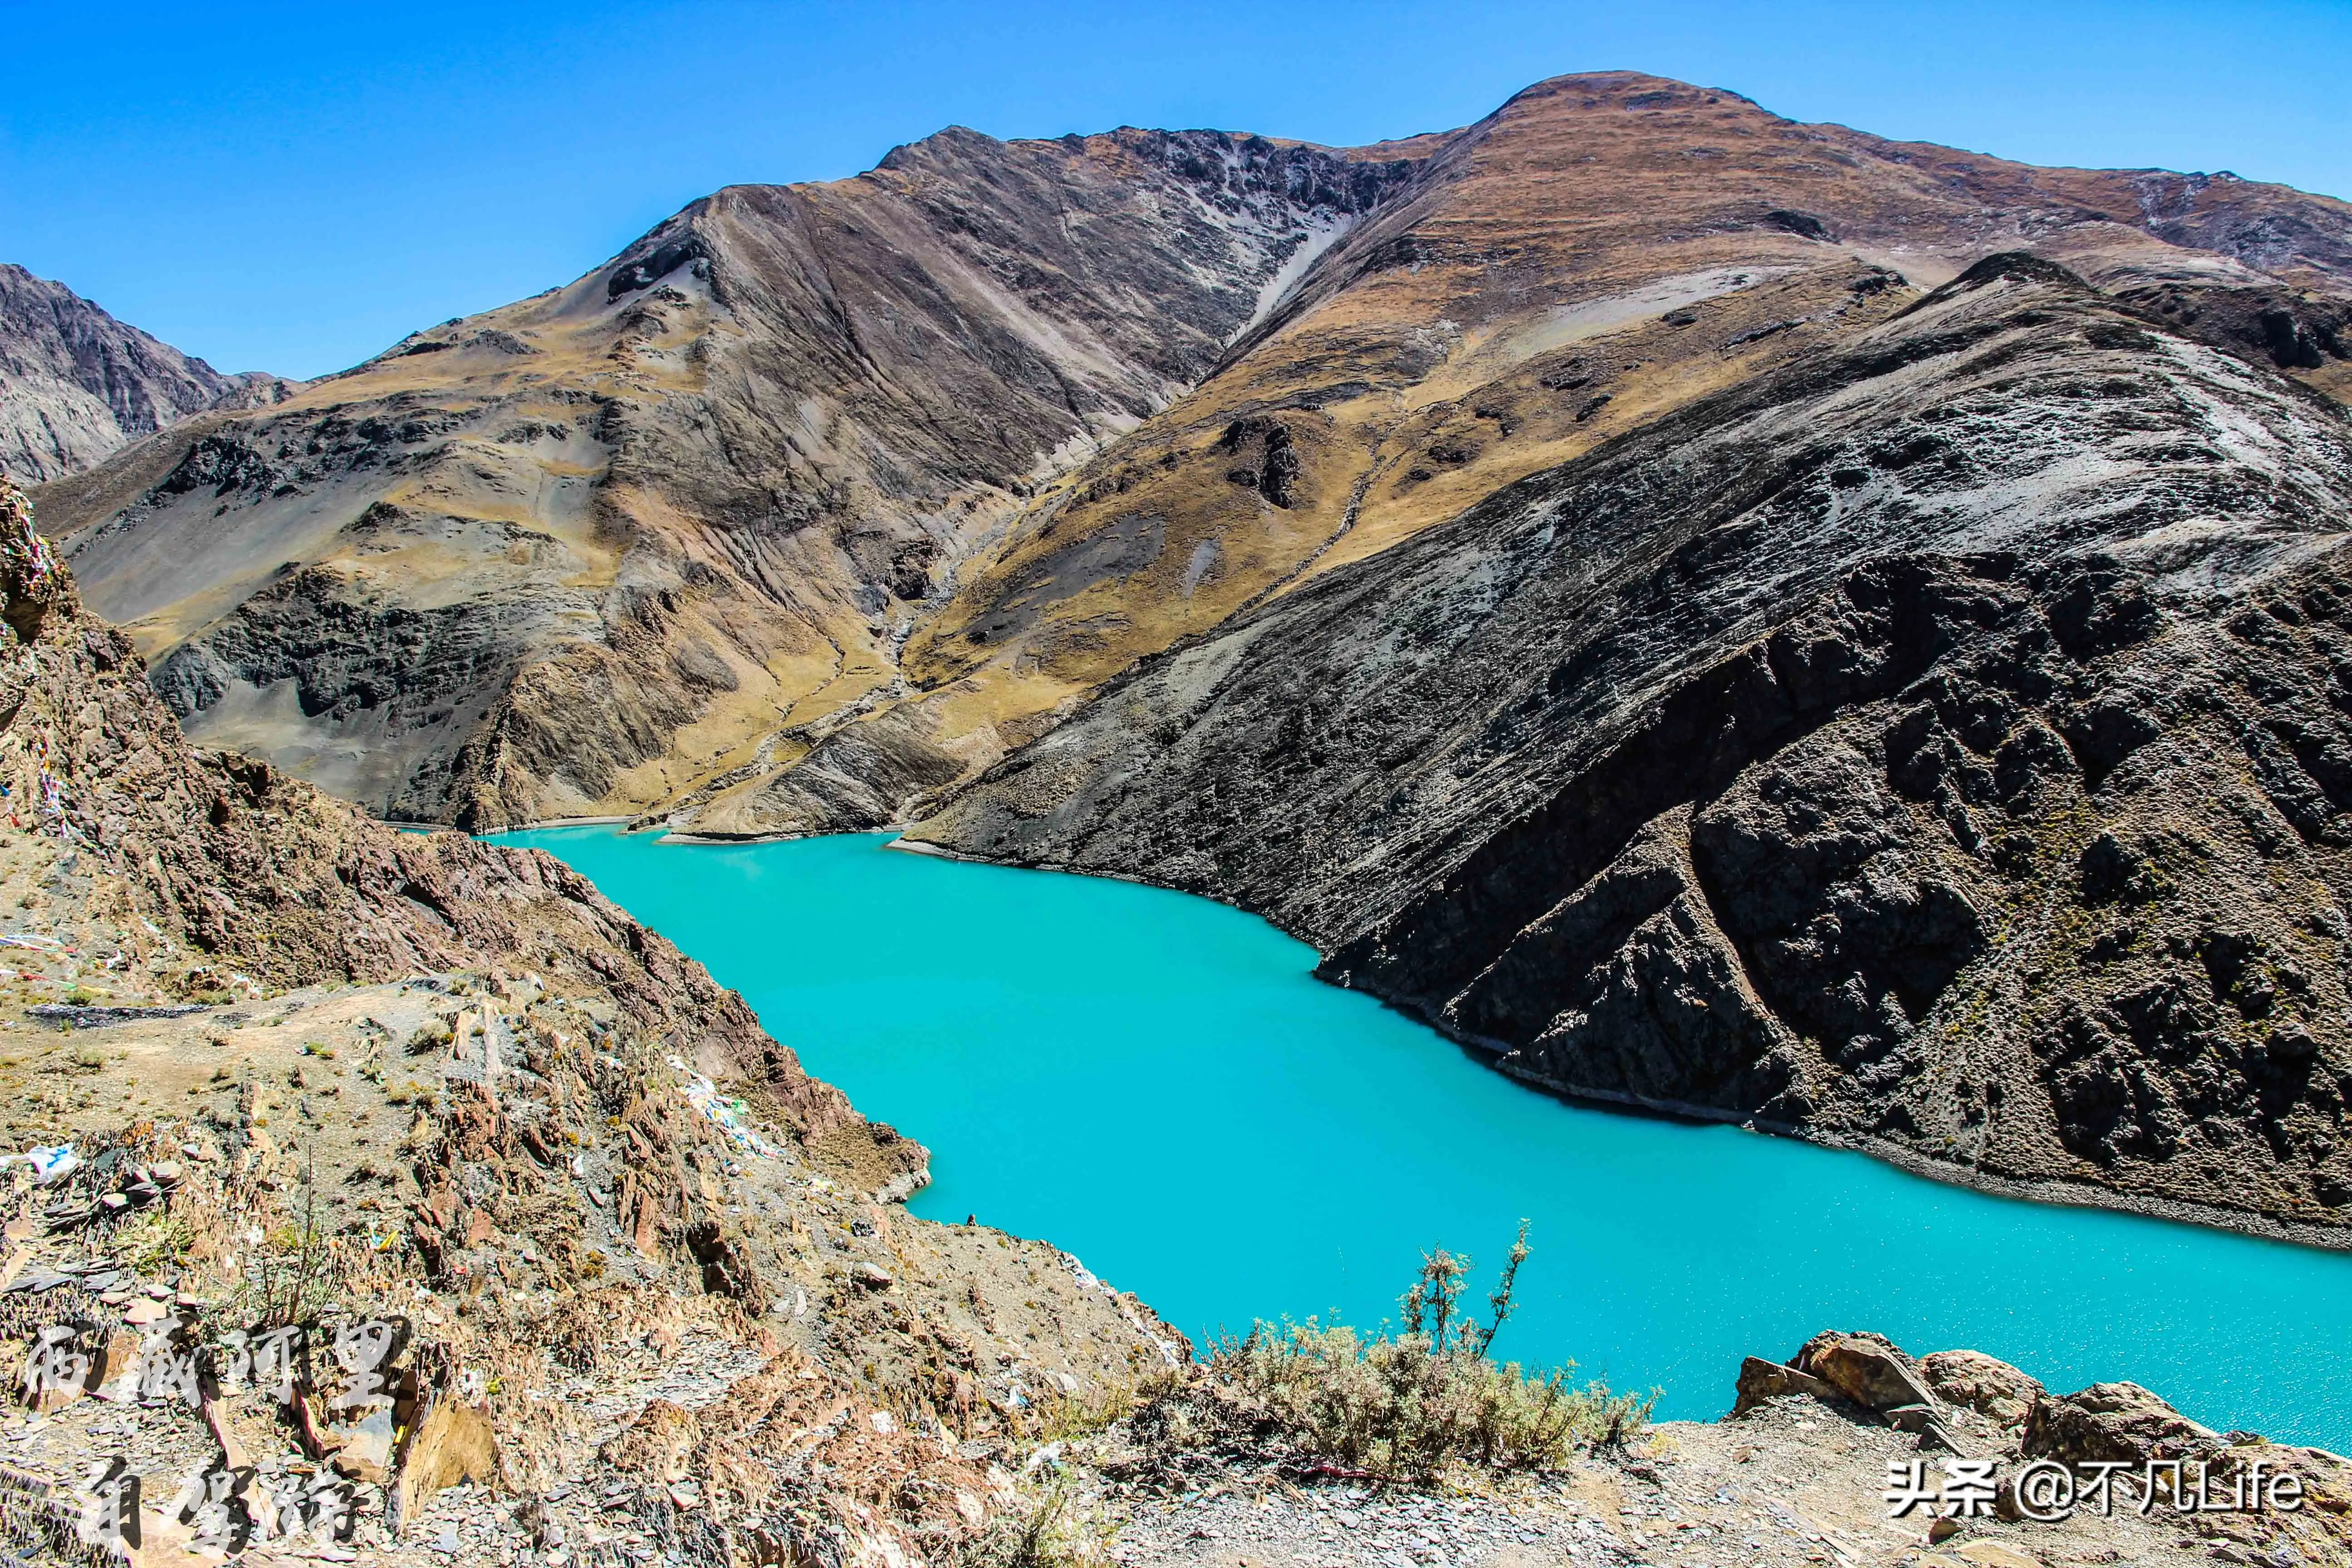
(1156, 1084)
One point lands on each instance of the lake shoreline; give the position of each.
(1303, 1143)
(1490, 1053)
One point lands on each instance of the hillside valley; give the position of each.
(1736, 617)
(652, 1289)
(817, 501)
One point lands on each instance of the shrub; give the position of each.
(1409, 1406)
(1050, 1528)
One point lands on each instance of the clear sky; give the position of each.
(294, 187)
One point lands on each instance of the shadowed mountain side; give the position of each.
(1932, 744)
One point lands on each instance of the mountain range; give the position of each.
(77, 386)
(1736, 616)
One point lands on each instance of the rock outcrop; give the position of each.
(312, 1071)
(1925, 746)
(77, 386)
(2136, 1480)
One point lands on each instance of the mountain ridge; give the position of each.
(77, 386)
(662, 437)
(815, 677)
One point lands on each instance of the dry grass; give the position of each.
(1416, 1404)
(1393, 1406)
(1052, 1528)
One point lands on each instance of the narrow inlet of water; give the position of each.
(1157, 1084)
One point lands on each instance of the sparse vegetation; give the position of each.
(152, 1241)
(287, 1277)
(1051, 1529)
(1414, 1403)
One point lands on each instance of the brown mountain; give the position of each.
(576, 554)
(1738, 616)
(77, 386)
(818, 499)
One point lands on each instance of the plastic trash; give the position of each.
(47, 1164)
(731, 1117)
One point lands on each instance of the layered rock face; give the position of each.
(77, 386)
(1931, 744)
(583, 552)
(1600, 252)
(818, 500)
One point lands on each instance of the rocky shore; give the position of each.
(290, 1069)
(649, 1293)
(1926, 747)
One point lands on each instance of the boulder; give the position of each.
(2117, 1421)
(1976, 1381)
(454, 1443)
(1868, 1369)
(1761, 1380)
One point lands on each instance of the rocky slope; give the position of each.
(1931, 744)
(1600, 252)
(819, 500)
(1628, 579)
(579, 554)
(313, 1070)
(77, 386)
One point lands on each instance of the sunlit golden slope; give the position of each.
(573, 554)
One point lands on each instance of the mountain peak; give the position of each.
(77, 384)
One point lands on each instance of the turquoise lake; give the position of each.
(1156, 1084)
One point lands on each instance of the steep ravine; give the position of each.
(1938, 745)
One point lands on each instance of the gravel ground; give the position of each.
(1791, 1484)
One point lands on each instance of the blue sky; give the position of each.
(294, 187)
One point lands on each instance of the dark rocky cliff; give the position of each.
(1939, 744)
